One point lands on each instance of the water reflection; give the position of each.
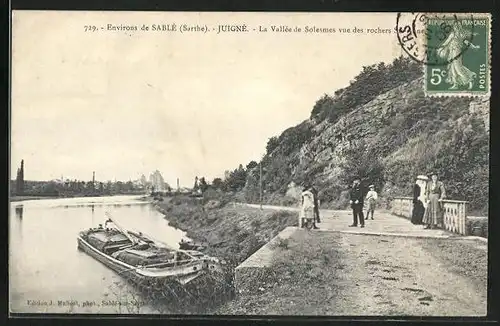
(19, 211)
(17, 223)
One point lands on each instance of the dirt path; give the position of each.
(333, 273)
(396, 276)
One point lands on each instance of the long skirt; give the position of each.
(418, 212)
(306, 213)
(309, 213)
(434, 213)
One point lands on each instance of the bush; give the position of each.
(477, 226)
(256, 223)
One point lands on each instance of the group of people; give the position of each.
(428, 194)
(427, 201)
(310, 204)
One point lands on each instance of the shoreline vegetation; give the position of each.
(231, 233)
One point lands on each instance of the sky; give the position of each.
(124, 104)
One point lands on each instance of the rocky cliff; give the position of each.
(387, 141)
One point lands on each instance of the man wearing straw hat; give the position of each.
(371, 200)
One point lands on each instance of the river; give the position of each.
(48, 274)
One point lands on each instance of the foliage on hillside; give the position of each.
(387, 146)
(445, 139)
(371, 82)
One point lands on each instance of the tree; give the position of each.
(144, 181)
(20, 179)
(252, 165)
(196, 184)
(217, 183)
(237, 179)
(272, 144)
(321, 104)
(129, 186)
(360, 162)
(119, 187)
(203, 184)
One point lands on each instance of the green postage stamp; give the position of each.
(458, 55)
(454, 50)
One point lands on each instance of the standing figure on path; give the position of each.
(371, 199)
(316, 204)
(307, 210)
(419, 191)
(435, 193)
(357, 204)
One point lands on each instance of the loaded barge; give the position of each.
(143, 260)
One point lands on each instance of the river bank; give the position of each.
(230, 232)
(329, 273)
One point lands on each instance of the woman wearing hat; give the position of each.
(307, 210)
(419, 191)
(435, 193)
(371, 199)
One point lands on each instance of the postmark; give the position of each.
(453, 48)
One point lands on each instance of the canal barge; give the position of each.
(143, 260)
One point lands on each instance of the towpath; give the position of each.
(384, 223)
(390, 267)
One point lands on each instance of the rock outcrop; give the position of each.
(402, 128)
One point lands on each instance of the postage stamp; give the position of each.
(454, 49)
(461, 49)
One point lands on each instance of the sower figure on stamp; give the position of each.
(371, 199)
(457, 73)
(316, 204)
(357, 204)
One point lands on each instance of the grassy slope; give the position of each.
(302, 280)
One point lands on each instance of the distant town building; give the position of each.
(144, 181)
(157, 181)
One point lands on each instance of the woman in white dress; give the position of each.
(307, 209)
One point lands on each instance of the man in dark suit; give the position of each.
(316, 204)
(356, 202)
